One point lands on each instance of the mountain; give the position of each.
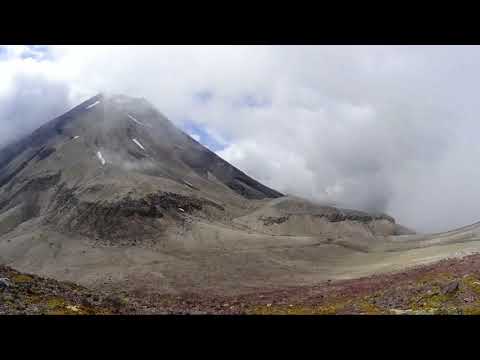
(100, 152)
(112, 194)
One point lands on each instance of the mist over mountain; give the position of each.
(372, 128)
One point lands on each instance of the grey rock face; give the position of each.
(4, 283)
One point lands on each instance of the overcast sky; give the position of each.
(381, 128)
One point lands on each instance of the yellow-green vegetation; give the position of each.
(55, 302)
(432, 302)
(367, 307)
(434, 277)
(364, 305)
(326, 309)
(472, 282)
(292, 310)
(435, 300)
(22, 278)
(439, 303)
(471, 309)
(33, 299)
(59, 306)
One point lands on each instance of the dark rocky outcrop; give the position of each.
(268, 220)
(126, 219)
(337, 215)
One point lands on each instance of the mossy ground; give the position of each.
(449, 288)
(30, 294)
(22, 278)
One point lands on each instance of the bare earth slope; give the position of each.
(112, 195)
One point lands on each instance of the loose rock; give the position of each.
(450, 288)
(4, 283)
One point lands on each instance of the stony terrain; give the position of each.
(33, 295)
(448, 287)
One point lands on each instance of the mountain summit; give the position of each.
(120, 133)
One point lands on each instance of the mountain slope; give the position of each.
(112, 194)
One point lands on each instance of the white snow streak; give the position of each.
(131, 117)
(138, 143)
(76, 137)
(138, 122)
(100, 157)
(92, 105)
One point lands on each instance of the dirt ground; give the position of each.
(450, 286)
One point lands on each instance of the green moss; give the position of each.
(328, 309)
(59, 306)
(471, 309)
(367, 307)
(433, 277)
(33, 299)
(22, 278)
(472, 283)
(430, 303)
(54, 303)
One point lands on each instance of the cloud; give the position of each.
(382, 128)
(31, 101)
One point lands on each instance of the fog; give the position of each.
(381, 128)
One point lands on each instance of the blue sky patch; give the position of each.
(205, 138)
(3, 52)
(37, 52)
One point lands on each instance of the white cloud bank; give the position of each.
(384, 128)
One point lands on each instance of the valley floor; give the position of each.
(450, 286)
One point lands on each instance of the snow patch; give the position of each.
(92, 105)
(188, 184)
(100, 157)
(76, 137)
(138, 144)
(136, 121)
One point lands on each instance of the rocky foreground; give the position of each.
(32, 295)
(450, 286)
